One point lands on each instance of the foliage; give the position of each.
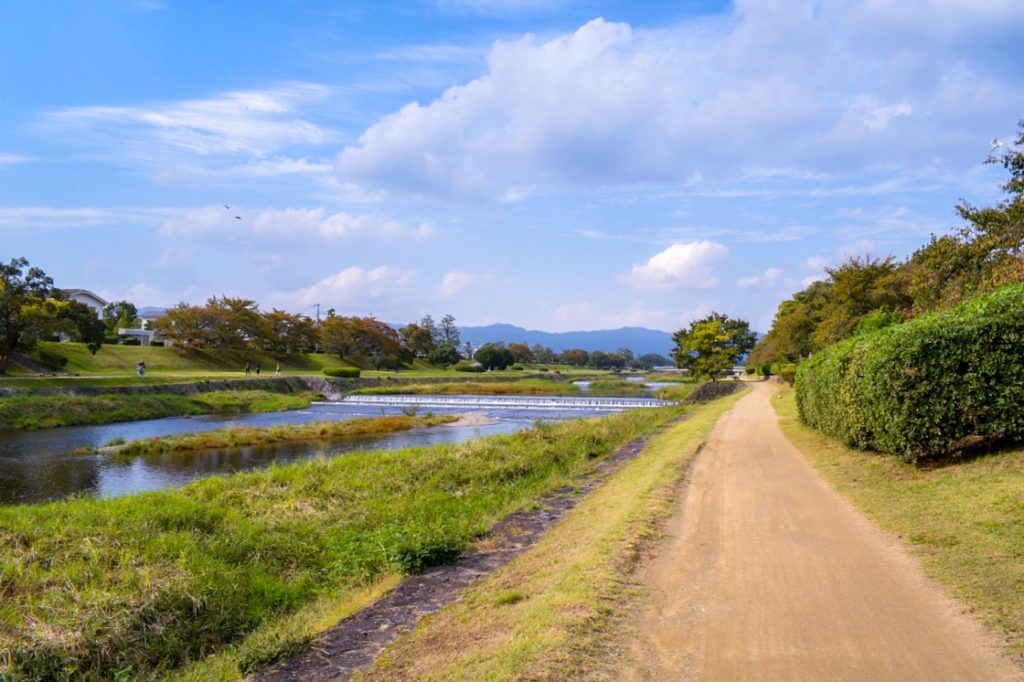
(344, 372)
(937, 384)
(120, 314)
(81, 324)
(447, 332)
(494, 356)
(152, 581)
(712, 345)
(521, 352)
(577, 357)
(983, 254)
(360, 337)
(444, 354)
(52, 360)
(418, 339)
(28, 308)
(468, 366)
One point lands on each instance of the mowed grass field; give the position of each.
(963, 519)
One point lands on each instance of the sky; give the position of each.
(555, 164)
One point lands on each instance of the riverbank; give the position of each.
(252, 436)
(21, 412)
(519, 387)
(151, 581)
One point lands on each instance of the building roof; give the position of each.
(70, 293)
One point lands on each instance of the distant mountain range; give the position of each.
(637, 339)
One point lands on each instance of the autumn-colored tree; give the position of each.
(521, 352)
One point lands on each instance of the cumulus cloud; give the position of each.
(456, 282)
(777, 88)
(221, 224)
(768, 278)
(356, 290)
(680, 266)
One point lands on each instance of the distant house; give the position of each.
(88, 298)
(146, 335)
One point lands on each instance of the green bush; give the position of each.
(111, 341)
(467, 366)
(929, 387)
(517, 367)
(131, 342)
(766, 370)
(787, 371)
(343, 372)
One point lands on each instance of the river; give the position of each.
(41, 465)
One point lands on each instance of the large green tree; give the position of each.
(28, 308)
(712, 345)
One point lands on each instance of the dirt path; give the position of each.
(767, 574)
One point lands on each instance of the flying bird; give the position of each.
(238, 217)
(226, 207)
(996, 143)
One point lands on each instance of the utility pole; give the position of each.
(317, 312)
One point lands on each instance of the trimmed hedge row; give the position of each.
(928, 387)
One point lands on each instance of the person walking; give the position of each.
(277, 370)
(257, 369)
(248, 368)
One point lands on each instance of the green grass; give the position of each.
(148, 583)
(249, 436)
(615, 386)
(35, 412)
(677, 392)
(520, 387)
(964, 520)
(556, 612)
(673, 377)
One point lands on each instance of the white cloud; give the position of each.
(801, 89)
(689, 266)
(53, 218)
(236, 224)
(355, 290)
(768, 278)
(811, 279)
(815, 263)
(456, 282)
(13, 158)
(141, 294)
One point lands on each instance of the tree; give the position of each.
(28, 308)
(361, 337)
(120, 314)
(80, 322)
(289, 332)
(186, 325)
(235, 323)
(712, 345)
(543, 354)
(577, 357)
(494, 356)
(444, 355)
(652, 360)
(448, 332)
(521, 352)
(418, 339)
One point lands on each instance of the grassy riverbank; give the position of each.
(963, 519)
(249, 436)
(521, 387)
(249, 564)
(556, 612)
(37, 412)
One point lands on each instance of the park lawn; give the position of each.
(248, 567)
(557, 611)
(963, 519)
(21, 412)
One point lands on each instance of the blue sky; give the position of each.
(549, 163)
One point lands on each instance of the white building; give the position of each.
(88, 298)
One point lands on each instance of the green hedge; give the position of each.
(928, 387)
(343, 372)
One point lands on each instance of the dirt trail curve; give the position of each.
(767, 574)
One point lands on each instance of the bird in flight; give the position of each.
(996, 143)
(226, 207)
(238, 217)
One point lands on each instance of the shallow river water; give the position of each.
(41, 465)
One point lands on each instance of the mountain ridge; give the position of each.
(640, 340)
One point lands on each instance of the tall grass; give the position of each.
(141, 585)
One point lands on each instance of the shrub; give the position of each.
(343, 372)
(928, 387)
(467, 366)
(766, 370)
(517, 367)
(131, 342)
(156, 344)
(787, 371)
(111, 341)
(51, 360)
(750, 369)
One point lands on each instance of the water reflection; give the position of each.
(41, 465)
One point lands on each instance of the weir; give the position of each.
(519, 402)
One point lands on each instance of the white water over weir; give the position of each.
(517, 402)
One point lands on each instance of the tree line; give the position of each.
(867, 293)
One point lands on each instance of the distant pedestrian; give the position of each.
(257, 369)
(140, 368)
(248, 368)
(277, 370)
